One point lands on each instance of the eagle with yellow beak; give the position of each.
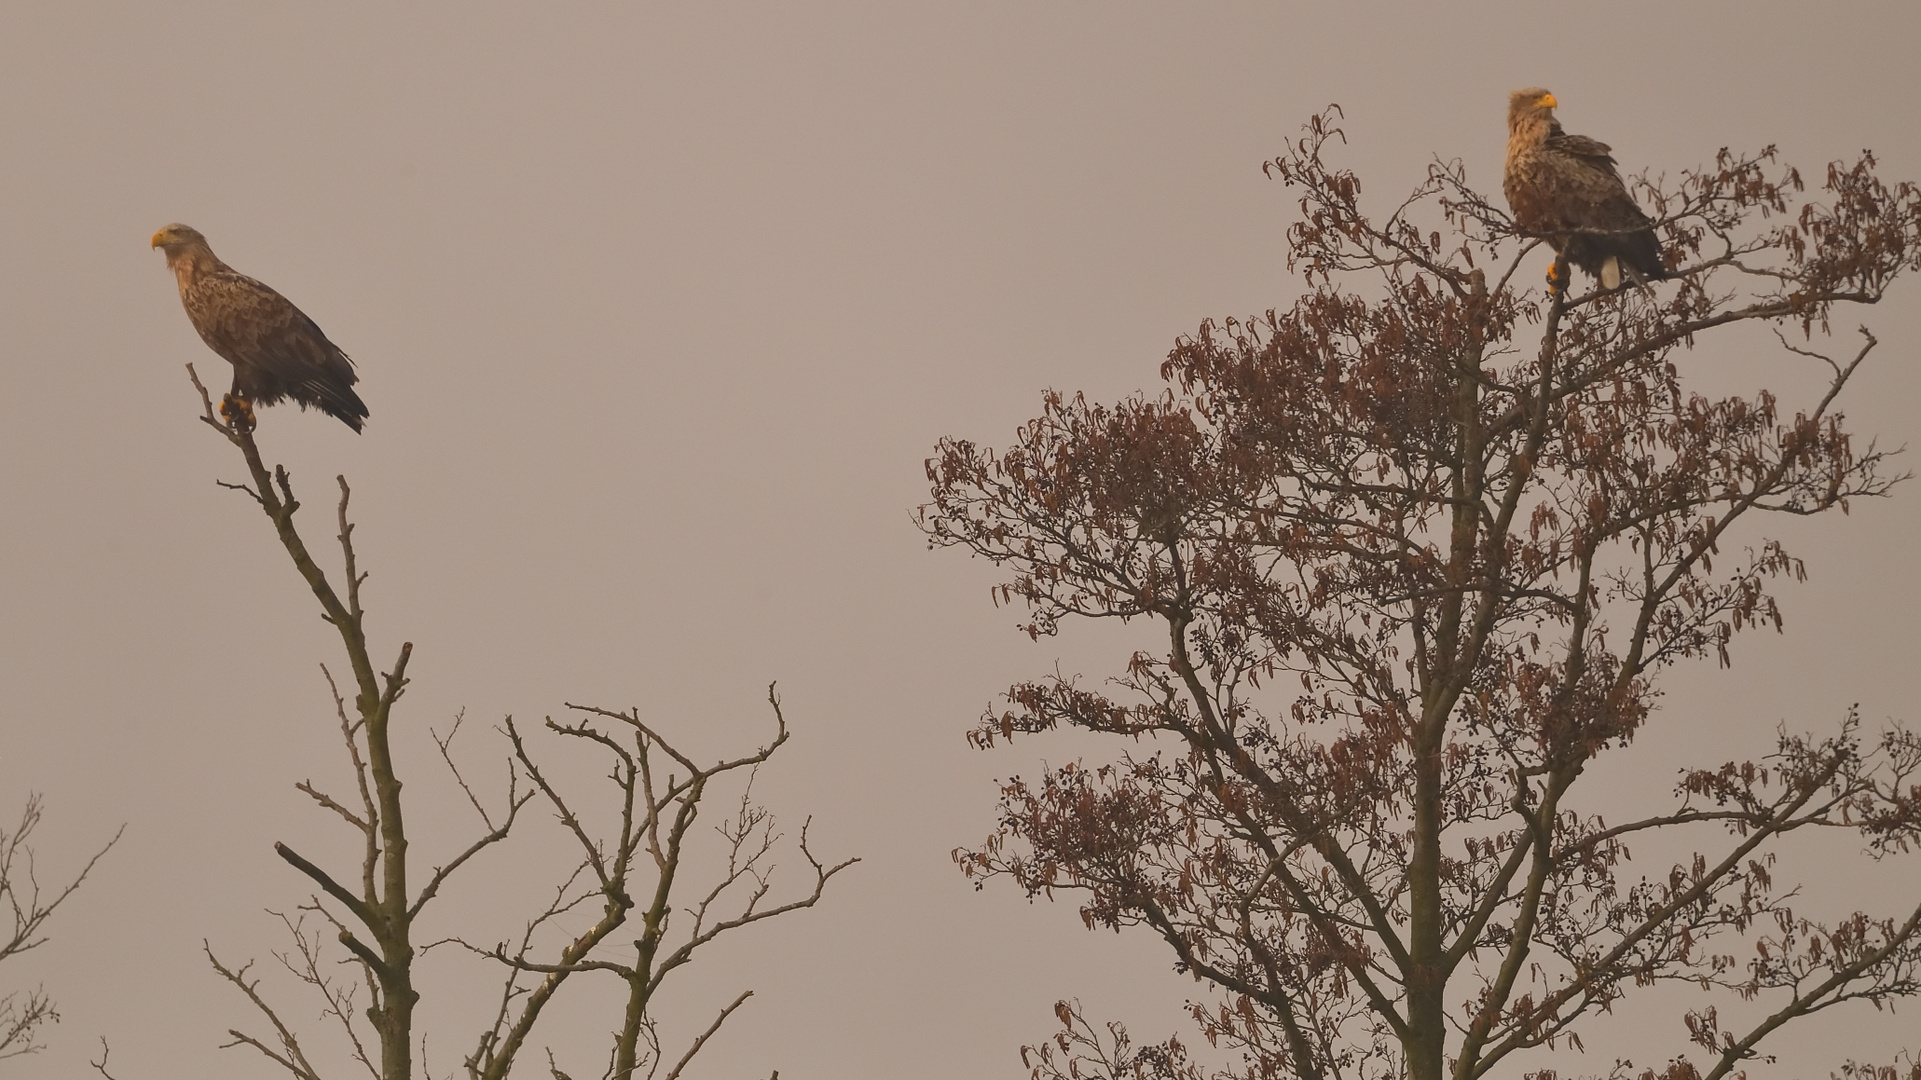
(277, 352)
(1565, 189)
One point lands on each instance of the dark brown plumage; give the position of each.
(276, 351)
(1565, 189)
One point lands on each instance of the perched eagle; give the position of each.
(276, 351)
(1565, 188)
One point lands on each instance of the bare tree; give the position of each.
(655, 815)
(374, 914)
(24, 1012)
(1418, 549)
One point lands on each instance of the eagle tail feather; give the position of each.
(333, 399)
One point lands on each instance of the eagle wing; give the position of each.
(276, 350)
(1590, 192)
(1594, 150)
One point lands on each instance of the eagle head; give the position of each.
(1529, 107)
(173, 237)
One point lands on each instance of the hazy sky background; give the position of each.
(659, 310)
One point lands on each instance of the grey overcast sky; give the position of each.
(659, 309)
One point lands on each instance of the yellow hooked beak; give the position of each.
(159, 238)
(1548, 102)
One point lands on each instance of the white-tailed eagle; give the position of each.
(1565, 189)
(276, 351)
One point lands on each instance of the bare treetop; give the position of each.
(632, 869)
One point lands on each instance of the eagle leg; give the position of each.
(1557, 276)
(237, 411)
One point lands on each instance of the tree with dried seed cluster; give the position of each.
(637, 872)
(1418, 549)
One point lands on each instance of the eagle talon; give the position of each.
(237, 411)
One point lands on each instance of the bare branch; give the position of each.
(674, 1073)
(289, 1056)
